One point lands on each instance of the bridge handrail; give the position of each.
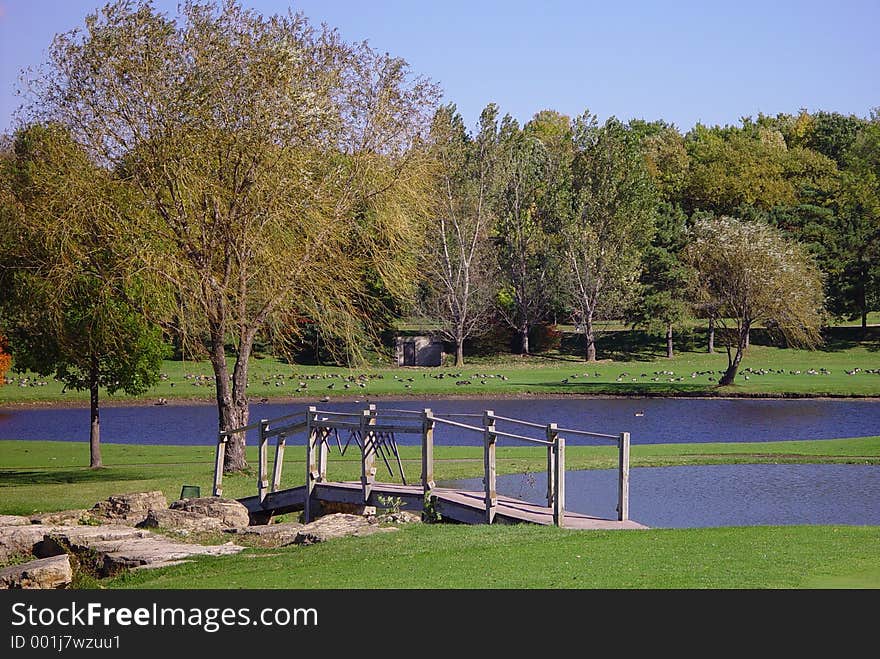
(585, 433)
(455, 424)
(530, 424)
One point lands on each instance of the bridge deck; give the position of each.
(457, 505)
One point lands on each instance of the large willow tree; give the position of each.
(281, 166)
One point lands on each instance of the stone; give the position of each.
(59, 539)
(337, 525)
(230, 512)
(108, 558)
(129, 508)
(14, 520)
(270, 535)
(61, 517)
(400, 517)
(52, 572)
(181, 520)
(17, 540)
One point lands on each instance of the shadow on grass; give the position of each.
(12, 477)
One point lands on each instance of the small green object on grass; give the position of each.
(190, 492)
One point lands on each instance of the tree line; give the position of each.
(221, 177)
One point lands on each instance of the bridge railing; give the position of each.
(368, 423)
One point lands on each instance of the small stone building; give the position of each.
(418, 351)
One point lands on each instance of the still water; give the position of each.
(715, 495)
(648, 420)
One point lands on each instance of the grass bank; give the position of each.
(42, 476)
(454, 556)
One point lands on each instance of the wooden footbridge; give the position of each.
(374, 432)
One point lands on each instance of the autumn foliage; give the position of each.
(5, 361)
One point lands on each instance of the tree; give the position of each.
(459, 265)
(70, 307)
(664, 284)
(523, 249)
(755, 275)
(611, 223)
(281, 167)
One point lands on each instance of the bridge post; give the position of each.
(368, 452)
(218, 463)
(312, 431)
(552, 434)
(263, 477)
(279, 462)
(623, 477)
(489, 438)
(427, 453)
(559, 469)
(321, 450)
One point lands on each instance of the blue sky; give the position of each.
(684, 62)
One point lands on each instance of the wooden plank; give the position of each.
(559, 468)
(263, 476)
(623, 478)
(278, 465)
(427, 453)
(311, 460)
(489, 465)
(277, 503)
(218, 464)
(552, 434)
(368, 451)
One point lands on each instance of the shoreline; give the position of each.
(313, 400)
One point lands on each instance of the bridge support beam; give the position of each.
(368, 452)
(489, 438)
(312, 473)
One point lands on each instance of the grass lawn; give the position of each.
(44, 476)
(636, 370)
(525, 556)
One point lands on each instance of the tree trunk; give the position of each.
(95, 428)
(232, 406)
(590, 339)
(730, 373)
(669, 351)
(712, 335)
(748, 340)
(864, 319)
(524, 340)
(459, 352)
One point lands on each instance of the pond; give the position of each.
(715, 495)
(649, 420)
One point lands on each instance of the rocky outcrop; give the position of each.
(270, 535)
(63, 517)
(14, 520)
(128, 508)
(111, 557)
(337, 525)
(230, 512)
(16, 540)
(181, 520)
(53, 572)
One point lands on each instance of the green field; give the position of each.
(39, 476)
(637, 369)
(523, 556)
(46, 476)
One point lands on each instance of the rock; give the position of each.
(271, 535)
(181, 520)
(337, 525)
(129, 508)
(230, 512)
(60, 517)
(57, 540)
(53, 572)
(111, 557)
(14, 520)
(400, 517)
(16, 540)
